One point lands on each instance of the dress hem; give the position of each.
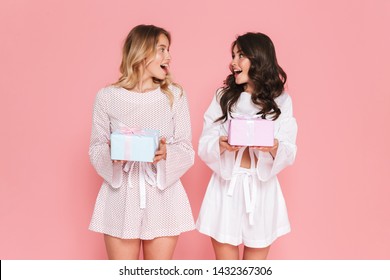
(148, 236)
(248, 243)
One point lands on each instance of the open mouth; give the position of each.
(236, 72)
(165, 67)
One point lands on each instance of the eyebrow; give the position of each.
(162, 45)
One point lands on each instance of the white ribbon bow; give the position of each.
(250, 186)
(145, 174)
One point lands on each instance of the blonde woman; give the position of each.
(142, 203)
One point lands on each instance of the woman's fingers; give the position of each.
(161, 153)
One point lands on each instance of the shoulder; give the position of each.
(284, 100)
(104, 95)
(178, 92)
(107, 91)
(218, 94)
(217, 97)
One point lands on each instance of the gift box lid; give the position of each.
(251, 132)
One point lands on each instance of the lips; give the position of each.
(237, 72)
(165, 67)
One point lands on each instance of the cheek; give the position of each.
(153, 64)
(159, 57)
(245, 65)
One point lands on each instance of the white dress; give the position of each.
(137, 199)
(245, 205)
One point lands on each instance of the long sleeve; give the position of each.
(267, 167)
(99, 150)
(208, 149)
(180, 153)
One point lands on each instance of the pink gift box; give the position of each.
(251, 132)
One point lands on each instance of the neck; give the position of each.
(144, 88)
(146, 85)
(248, 88)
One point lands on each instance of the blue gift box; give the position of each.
(134, 144)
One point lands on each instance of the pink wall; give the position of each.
(55, 55)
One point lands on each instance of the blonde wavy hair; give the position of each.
(139, 45)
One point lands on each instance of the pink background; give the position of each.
(55, 55)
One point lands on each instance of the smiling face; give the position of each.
(158, 66)
(240, 66)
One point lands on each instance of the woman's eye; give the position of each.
(241, 55)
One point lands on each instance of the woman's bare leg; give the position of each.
(225, 251)
(160, 248)
(122, 249)
(255, 253)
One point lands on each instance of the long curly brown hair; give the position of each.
(265, 73)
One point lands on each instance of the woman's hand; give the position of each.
(224, 145)
(161, 153)
(272, 150)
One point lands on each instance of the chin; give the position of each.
(160, 78)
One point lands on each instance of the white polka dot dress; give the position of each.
(162, 208)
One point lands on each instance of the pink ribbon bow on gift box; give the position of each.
(131, 131)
